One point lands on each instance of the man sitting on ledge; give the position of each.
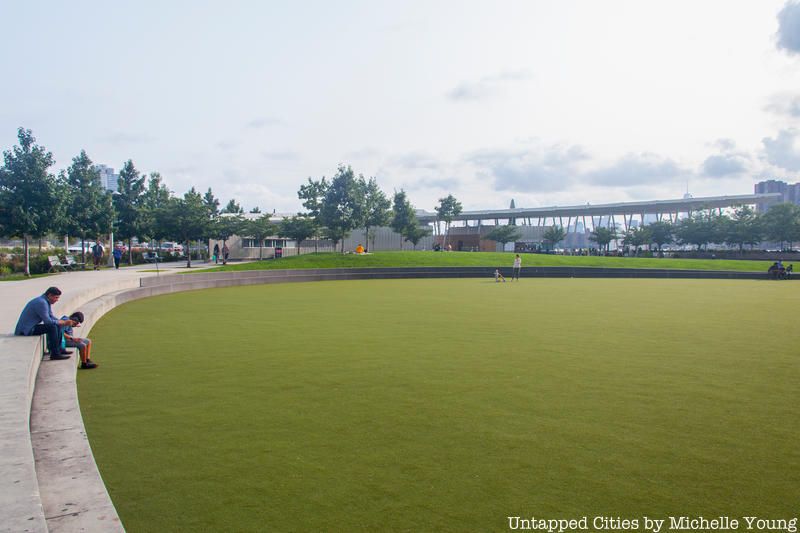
(37, 318)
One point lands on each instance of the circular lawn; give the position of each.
(446, 405)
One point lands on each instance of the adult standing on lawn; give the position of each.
(37, 318)
(517, 268)
(97, 254)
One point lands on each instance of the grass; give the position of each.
(446, 405)
(448, 259)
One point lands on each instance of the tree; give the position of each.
(233, 208)
(447, 209)
(377, 206)
(603, 237)
(255, 211)
(343, 206)
(312, 194)
(187, 219)
(154, 198)
(660, 233)
(89, 206)
(28, 192)
(699, 228)
(298, 228)
(636, 237)
(554, 235)
(127, 204)
(504, 234)
(211, 203)
(403, 216)
(260, 229)
(225, 226)
(782, 223)
(744, 227)
(414, 234)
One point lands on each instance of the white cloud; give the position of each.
(789, 27)
(550, 169)
(488, 86)
(726, 164)
(784, 150)
(633, 170)
(785, 105)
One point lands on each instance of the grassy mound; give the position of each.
(449, 259)
(446, 405)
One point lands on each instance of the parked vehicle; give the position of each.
(172, 247)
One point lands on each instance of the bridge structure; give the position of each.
(626, 213)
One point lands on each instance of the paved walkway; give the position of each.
(15, 294)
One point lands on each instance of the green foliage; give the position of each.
(404, 219)
(186, 219)
(637, 237)
(414, 234)
(90, 210)
(701, 228)
(343, 208)
(128, 203)
(297, 228)
(603, 236)
(29, 194)
(553, 235)
(782, 223)
(504, 234)
(259, 229)
(211, 203)
(447, 209)
(155, 198)
(660, 233)
(377, 207)
(233, 208)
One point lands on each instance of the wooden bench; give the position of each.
(55, 264)
(72, 263)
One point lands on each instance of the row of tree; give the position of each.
(743, 227)
(34, 203)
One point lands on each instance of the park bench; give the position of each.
(72, 263)
(55, 264)
(151, 257)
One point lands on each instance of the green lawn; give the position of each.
(446, 405)
(448, 259)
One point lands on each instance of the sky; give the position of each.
(557, 102)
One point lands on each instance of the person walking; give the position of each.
(117, 256)
(37, 318)
(97, 254)
(216, 253)
(517, 268)
(225, 252)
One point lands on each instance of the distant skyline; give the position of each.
(546, 102)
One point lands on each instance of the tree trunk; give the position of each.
(188, 255)
(83, 251)
(130, 251)
(27, 255)
(261, 250)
